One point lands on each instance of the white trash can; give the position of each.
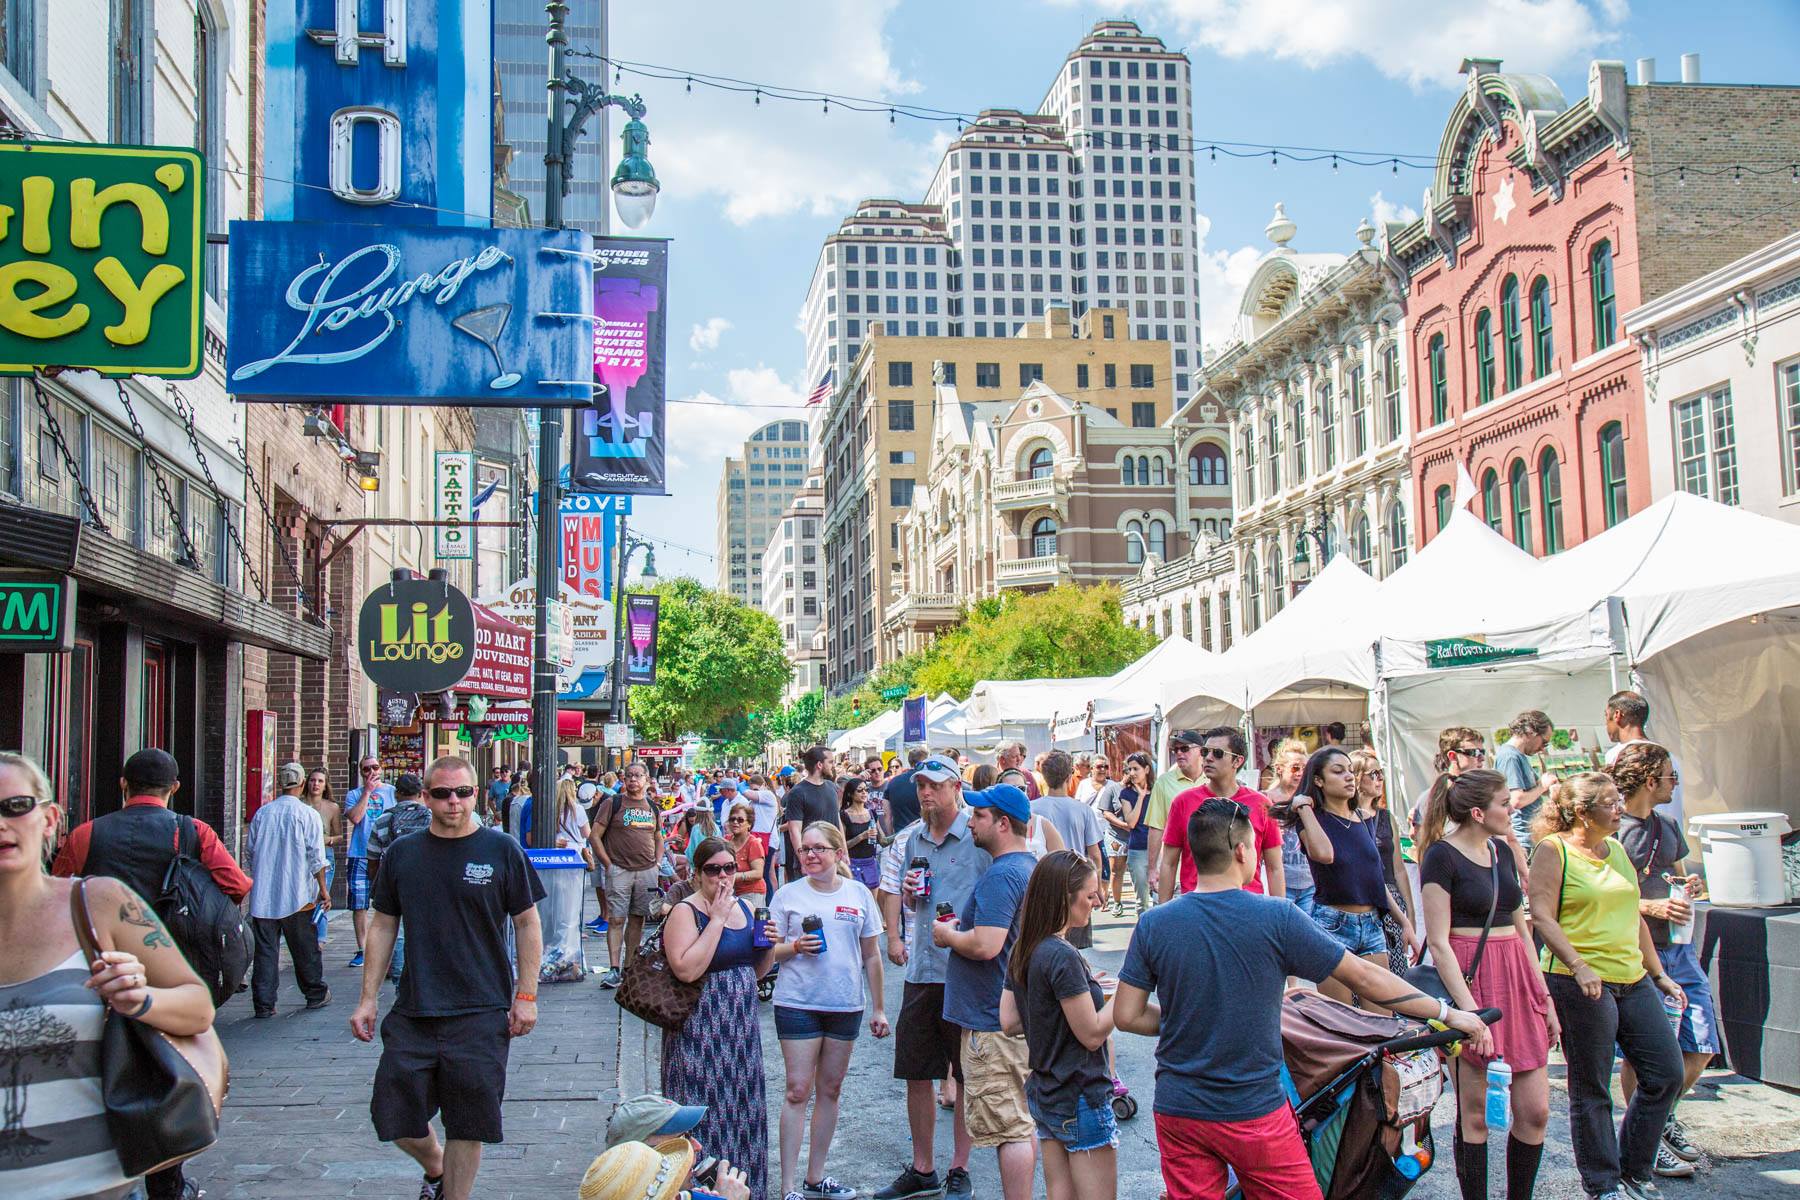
(1742, 853)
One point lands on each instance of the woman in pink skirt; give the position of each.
(1460, 872)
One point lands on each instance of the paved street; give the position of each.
(297, 1124)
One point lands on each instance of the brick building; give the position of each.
(1547, 220)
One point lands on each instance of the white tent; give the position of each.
(1314, 660)
(1136, 692)
(1023, 709)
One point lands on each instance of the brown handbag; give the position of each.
(163, 1094)
(649, 990)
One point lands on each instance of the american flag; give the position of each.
(823, 389)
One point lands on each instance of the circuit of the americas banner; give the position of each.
(619, 442)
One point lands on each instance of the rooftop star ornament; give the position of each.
(1503, 200)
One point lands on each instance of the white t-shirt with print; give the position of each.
(832, 981)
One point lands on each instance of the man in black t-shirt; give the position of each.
(445, 1041)
(813, 799)
(900, 799)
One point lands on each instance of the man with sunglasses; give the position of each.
(628, 848)
(1222, 752)
(362, 804)
(1184, 748)
(444, 1044)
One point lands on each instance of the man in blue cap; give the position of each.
(994, 1064)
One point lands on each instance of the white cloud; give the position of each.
(705, 429)
(1384, 210)
(1223, 276)
(706, 337)
(1418, 41)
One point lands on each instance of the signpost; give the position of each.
(416, 635)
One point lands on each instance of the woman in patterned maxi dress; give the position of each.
(716, 1058)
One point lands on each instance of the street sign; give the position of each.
(893, 693)
(37, 613)
(452, 496)
(104, 250)
(617, 736)
(656, 751)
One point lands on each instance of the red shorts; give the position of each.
(1266, 1152)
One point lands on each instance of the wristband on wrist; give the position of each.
(530, 996)
(1443, 1009)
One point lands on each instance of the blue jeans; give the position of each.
(1089, 1129)
(320, 915)
(1302, 898)
(1137, 865)
(1359, 933)
(1699, 1031)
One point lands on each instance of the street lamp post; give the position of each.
(1319, 533)
(628, 545)
(635, 188)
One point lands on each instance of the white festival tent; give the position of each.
(1312, 661)
(1136, 692)
(1023, 709)
(944, 724)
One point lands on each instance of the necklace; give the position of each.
(1350, 820)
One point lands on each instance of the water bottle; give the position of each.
(1683, 933)
(1499, 1095)
(813, 923)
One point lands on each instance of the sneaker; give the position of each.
(913, 1184)
(1671, 1165)
(260, 1013)
(957, 1183)
(1118, 908)
(1640, 1189)
(321, 1002)
(356, 959)
(827, 1189)
(793, 1196)
(1675, 1137)
(612, 978)
(428, 1190)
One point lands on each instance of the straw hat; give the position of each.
(635, 1171)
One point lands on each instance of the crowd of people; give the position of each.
(1559, 901)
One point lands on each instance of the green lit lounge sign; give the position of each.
(102, 251)
(1470, 652)
(37, 614)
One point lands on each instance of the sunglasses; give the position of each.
(444, 793)
(1239, 812)
(1471, 752)
(367, 767)
(718, 869)
(736, 821)
(18, 806)
(1212, 752)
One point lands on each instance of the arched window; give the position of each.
(1159, 540)
(1134, 542)
(1206, 466)
(1543, 339)
(1440, 500)
(1042, 463)
(1272, 451)
(1519, 482)
(1606, 314)
(1390, 393)
(1297, 436)
(1144, 469)
(1512, 333)
(1210, 525)
(1398, 543)
(1550, 492)
(1156, 469)
(1612, 473)
(1484, 356)
(1043, 537)
(1361, 551)
(1252, 593)
(1327, 428)
(1277, 580)
(1440, 381)
(1129, 468)
(1491, 509)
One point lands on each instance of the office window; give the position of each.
(987, 375)
(1081, 376)
(948, 370)
(1491, 510)
(1159, 539)
(900, 492)
(1788, 385)
(1543, 339)
(1519, 481)
(1706, 446)
(1512, 335)
(1143, 375)
(1106, 327)
(900, 374)
(903, 458)
(900, 415)
(1143, 414)
(1397, 544)
(1043, 537)
(1128, 470)
(1484, 356)
(1109, 374)
(1440, 500)
(1144, 469)
(1600, 272)
(1134, 542)
(1030, 373)
(1440, 381)
(130, 57)
(1550, 496)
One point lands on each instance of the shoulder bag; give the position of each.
(162, 1093)
(1426, 978)
(649, 989)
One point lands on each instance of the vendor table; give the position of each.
(1753, 958)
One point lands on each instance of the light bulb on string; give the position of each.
(825, 106)
(1212, 154)
(690, 85)
(759, 96)
(1274, 160)
(1396, 162)
(1680, 176)
(1737, 175)
(890, 116)
(1334, 169)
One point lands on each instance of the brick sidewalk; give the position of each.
(296, 1123)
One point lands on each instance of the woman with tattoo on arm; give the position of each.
(58, 1003)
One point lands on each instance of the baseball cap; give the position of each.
(1004, 797)
(153, 768)
(290, 773)
(1187, 737)
(937, 771)
(786, 772)
(728, 782)
(648, 1117)
(408, 784)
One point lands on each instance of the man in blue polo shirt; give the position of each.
(362, 804)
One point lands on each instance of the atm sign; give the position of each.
(37, 614)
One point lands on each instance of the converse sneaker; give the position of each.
(1671, 1165)
(1640, 1189)
(827, 1189)
(1675, 1137)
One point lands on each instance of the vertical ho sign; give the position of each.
(452, 493)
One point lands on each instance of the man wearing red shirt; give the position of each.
(1222, 752)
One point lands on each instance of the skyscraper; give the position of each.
(754, 490)
(522, 62)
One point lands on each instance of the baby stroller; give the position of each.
(1363, 1087)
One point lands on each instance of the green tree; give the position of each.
(717, 660)
(1062, 633)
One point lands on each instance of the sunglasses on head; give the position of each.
(717, 869)
(444, 793)
(1239, 812)
(18, 806)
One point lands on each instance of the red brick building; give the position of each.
(1545, 222)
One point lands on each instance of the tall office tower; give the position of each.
(754, 491)
(1089, 201)
(522, 62)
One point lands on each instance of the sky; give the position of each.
(749, 190)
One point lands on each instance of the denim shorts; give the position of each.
(357, 887)
(1302, 898)
(805, 1024)
(1699, 1031)
(1359, 933)
(1089, 1129)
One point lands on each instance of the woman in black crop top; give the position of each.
(1458, 873)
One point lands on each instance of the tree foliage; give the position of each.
(718, 661)
(1063, 633)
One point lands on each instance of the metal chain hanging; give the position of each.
(287, 558)
(189, 558)
(186, 412)
(68, 457)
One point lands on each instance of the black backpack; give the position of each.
(206, 924)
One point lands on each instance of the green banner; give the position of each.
(1470, 652)
(102, 258)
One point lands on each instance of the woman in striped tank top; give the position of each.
(53, 1138)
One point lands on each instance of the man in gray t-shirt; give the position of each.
(1531, 732)
(1076, 823)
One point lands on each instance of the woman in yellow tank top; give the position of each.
(1607, 983)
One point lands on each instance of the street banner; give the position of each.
(416, 635)
(105, 258)
(641, 617)
(912, 720)
(590, 541)
(451, 498)
(408, 315)
(619, 442)
(502, 662)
